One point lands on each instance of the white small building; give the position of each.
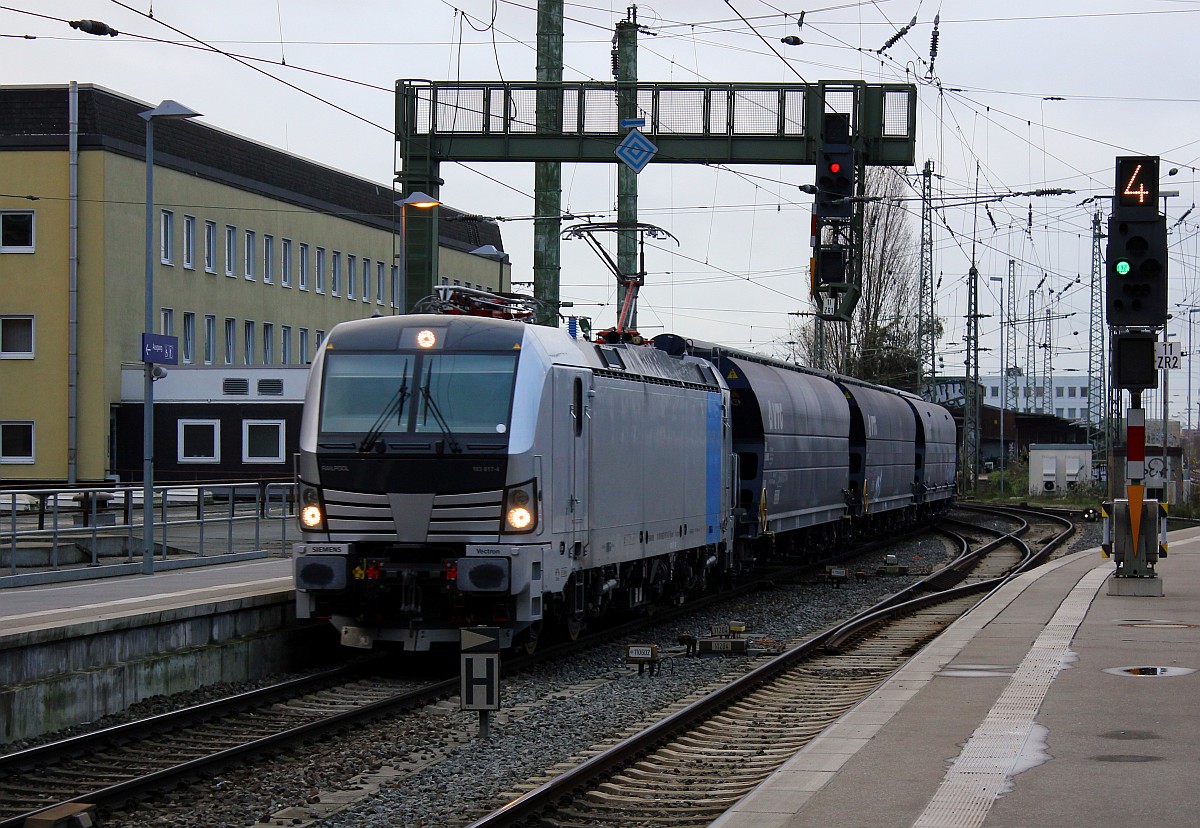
(1055, 468)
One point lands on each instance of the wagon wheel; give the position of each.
(529, 639)
(575, 627)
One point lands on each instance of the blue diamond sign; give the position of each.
(635, 150)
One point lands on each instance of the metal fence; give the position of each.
(79, 530)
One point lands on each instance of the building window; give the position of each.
(262, 441)
(268, 343)
(304, 346)
(1058, 392)
(320, 287)
(268, 259)
(198, 441)
(366, 279)
(303, 266)
(166, 237)
(379, 284)
(995, 391)
(230, 249)
(1083, 392)
(395, 286)
(189, 242)
(189, 337)
(16, 231)
(318, 338)
(351, 275)
(210, 339)
(250, 253)
(210, 247)
(335, 278)
(16, 337)
(230, 340)
(167, 322)
(285, 350)
(285, 264)
(16, 441)
(248, 343)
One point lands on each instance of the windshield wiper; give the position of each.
(430, 405)
(395, 406)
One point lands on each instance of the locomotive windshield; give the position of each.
(371, 394)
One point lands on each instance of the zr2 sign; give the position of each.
(1167, 356)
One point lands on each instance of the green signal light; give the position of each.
(1123, 267)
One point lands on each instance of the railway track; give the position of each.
(692, 766)
(127, 761)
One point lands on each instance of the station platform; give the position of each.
(73, 652)
(1052, 703)
(41, 607)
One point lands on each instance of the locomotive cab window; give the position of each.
(429, 393)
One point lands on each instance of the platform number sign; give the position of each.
(1137, 182)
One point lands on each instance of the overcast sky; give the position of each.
(1033, 94)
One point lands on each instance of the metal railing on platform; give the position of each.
(74, 532)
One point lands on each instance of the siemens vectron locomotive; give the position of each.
(460, 470)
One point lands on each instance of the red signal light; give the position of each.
(835, 168)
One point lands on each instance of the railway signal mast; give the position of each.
(833, 263)
(1135, 309)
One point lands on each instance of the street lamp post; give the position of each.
(1003, 384)
(165, 110)
(422, 201)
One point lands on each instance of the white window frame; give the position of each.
(380, 284)
(19, 248)
(268, 259)
(210, 338)
(303, 266)
(351, 275)
(395, 286)
(213, 457)
(210, 247)
(278, 457)
(166, 237)
(248, 335)
(250, 254)
(230, 340)
(303, 346)
(15, 317)
(335, 273)
(189, 242)
(285, 345)
(366, 279)
(21, 459)
(166, 321)
(230, 250)
(320, 271)
(285, 263)
(188, 343)
(268, 352)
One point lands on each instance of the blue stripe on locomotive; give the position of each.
(713, 479)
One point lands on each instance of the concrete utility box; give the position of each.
(1056, 468)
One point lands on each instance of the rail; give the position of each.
(55, 534)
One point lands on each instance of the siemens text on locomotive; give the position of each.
(461, 470)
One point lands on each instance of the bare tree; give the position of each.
(879, 344)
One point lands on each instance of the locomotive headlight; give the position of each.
(520, 508)
(311, 515)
